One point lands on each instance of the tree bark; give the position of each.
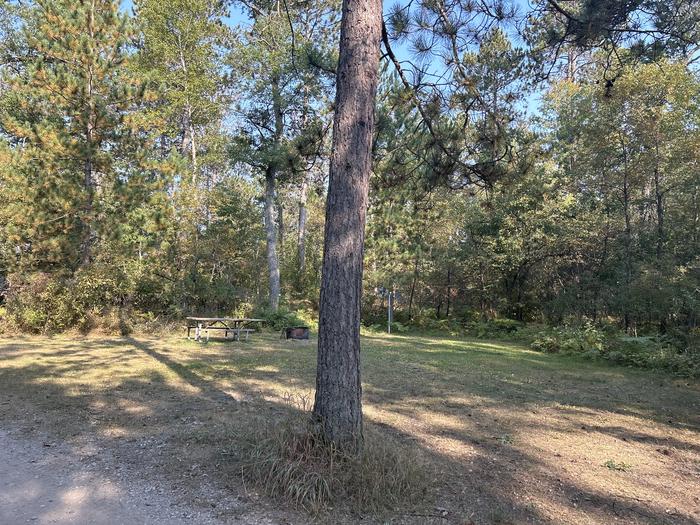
(659, 198)
(88, 228)
(449, 292)
(301, 243)
(627, 236)
(271, 235)
(338, 405)
(413, 288)
(88, 233)
(270, 186)
(280, 229)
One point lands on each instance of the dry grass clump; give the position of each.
(290, 461)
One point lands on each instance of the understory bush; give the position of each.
(280, 318)
(677, 351)
(290, 461)
(42, 303)
(678, 354)
(492, 328)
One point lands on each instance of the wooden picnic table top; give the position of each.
(224, 319)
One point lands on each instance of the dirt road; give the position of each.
(47, 483)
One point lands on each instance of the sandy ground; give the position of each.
(43, 482)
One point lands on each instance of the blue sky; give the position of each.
(237, 17)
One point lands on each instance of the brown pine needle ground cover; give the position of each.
(508, 435)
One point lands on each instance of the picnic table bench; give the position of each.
(233, 325)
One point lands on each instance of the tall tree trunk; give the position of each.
(659, 197)
(189, 142)
(449, 292)
(88, 227)
(270, 201)
(660, 234)
(413, 288)
(280, 228)
(88, 233)
(301, 242)
(338, 405)
(188, 146)
(271, 237)
(628, 236)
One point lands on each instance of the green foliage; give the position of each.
(614, 465)
(42, 303)
(399, 327)
(587, 339)
(75, 153)
(280, 318)
(677, 355)
(308, 317)
(493, 328)
(595, 227)
(131, 195)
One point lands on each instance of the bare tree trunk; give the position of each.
(659, 197)
(270, 201)
(271, 235)
(88, 233)
(628, 236)
(193, 144)
(449, 292)
(280, 229)
(571, 64)
(88, 228)
(413, 289)
(189, 143)
(338, 404)
(301, 244)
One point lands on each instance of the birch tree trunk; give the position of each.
(338, 406)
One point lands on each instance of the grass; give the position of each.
(614, 465)
(500, 433)
(290, 461)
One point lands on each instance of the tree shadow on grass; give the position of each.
(164, 412)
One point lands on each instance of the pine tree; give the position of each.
(338, 398)
(71, 141)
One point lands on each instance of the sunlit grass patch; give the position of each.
(488, 419)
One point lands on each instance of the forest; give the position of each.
(172, 159)
(451, 249)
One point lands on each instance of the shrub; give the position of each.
(493, 328)
(398, 327)
(280, 318)
(308, 318)
(44, 303)
(586, 339)
(291, 462)
(40, 303)
(676, 354)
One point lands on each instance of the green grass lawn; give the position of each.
(508, 435)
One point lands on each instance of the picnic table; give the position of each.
(235, 325)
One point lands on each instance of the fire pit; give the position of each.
(297, 332)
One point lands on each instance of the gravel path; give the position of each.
(43, 482)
